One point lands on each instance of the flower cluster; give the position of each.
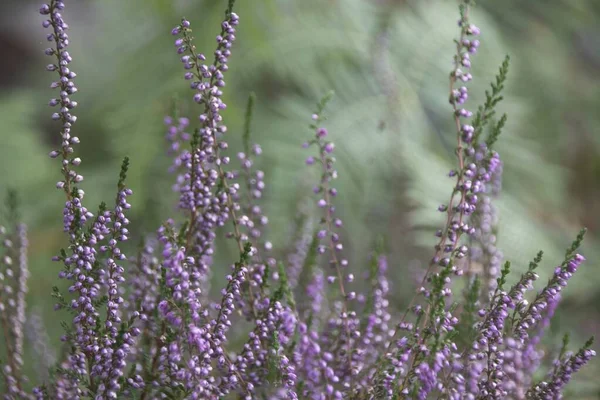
(253, 222)
(145, 326)
(66, 88)
(13, 288)
(564, 368)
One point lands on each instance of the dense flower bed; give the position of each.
(143, 326)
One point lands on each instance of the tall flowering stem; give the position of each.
(549, 295)
(467, 183)
(331, 241)
(37, 335)
(447, 250)
(66, 88)
(476, 165)
(273, 329)
(97, 354)
(78, 265)
(375, 329)
(484, 253)
(13, 288)
(254, 219)
(120, 336)
(490, 339)
(207, 81)
(553, 387)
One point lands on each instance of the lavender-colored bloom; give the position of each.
(145, 280)
(19, 319)
(426, 378)
(297, 258)
(376, 333)
(533, 314)
(66, 388)
(259, 350)
(253, 222)
(314, 362)
(255, 186)
(66, 88)
(315, 295)
(484, 252)
(37, 335)
(205, 190)
(116, 345)
(487, 347)
(177, 137)
(13, 288)
(520, 360)
(387, 378)
(463, 202)
(331, 241)
(552, 388)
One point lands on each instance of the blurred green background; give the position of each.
(388, 62)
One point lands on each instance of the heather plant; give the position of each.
(144, 325)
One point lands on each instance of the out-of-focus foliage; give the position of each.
(387, 61)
